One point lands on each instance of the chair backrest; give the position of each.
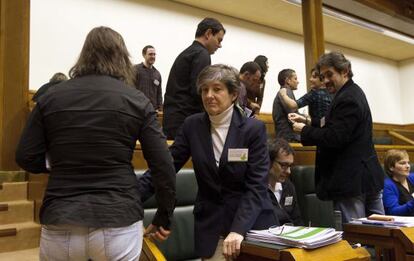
(318, 212)
(382, 140)
(180, 244)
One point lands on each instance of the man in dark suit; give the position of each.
(181, 97)
(347, 170)
(281, 190)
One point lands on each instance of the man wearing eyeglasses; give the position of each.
(281, 189)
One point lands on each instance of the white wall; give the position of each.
(58, 29)
(407, 90)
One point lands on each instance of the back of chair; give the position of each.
(180, 245)
(318, 212)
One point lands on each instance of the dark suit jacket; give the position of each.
(232, 197)
(346, 161)
(287, 212)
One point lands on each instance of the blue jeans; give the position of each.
(360, 206)
(68, 242)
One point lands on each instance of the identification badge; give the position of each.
(156, 82)
(288, 201)
(238, 155)
(322, 122)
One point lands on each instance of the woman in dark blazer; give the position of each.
(231, 163)
(399, 186)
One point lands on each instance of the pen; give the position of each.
(281, 231)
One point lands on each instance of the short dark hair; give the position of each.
(284, 75)
(209, 23)
(144, 50)
(276, 146)
(58, 77)
(314, 70)
(336, 60)
(250, 67)
(104, 53)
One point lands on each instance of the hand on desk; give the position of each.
(231, 245)
(158, 233)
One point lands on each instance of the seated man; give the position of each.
(281, 189)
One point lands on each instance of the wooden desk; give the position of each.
(267, 252)
(398, 243)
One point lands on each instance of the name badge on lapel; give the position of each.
(156, 82)
(238, 155)
(288, 201)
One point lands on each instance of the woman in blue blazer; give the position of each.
(231, 163)
(399, 186)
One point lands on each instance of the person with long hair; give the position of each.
(87, 128)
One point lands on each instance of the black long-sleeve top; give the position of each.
(88, 128)
(181, 98)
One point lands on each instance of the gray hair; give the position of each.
(336, 60)
(225, 74)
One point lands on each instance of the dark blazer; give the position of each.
(287, 212)
(394, 202)
(346, 161)
(233, 196)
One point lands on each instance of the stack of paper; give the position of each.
(302, 237)
(395, 221)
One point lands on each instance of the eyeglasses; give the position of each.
(285, 165)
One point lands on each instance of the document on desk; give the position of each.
(302, 237)
(397, 221)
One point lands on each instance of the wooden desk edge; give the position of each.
(264, 252)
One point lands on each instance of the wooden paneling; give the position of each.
(403, 9)
(14, 76)
(312, 21)
(7, 232)
(285, 16)
(37, 184)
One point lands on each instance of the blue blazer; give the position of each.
(391, 196)
(232, 197)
